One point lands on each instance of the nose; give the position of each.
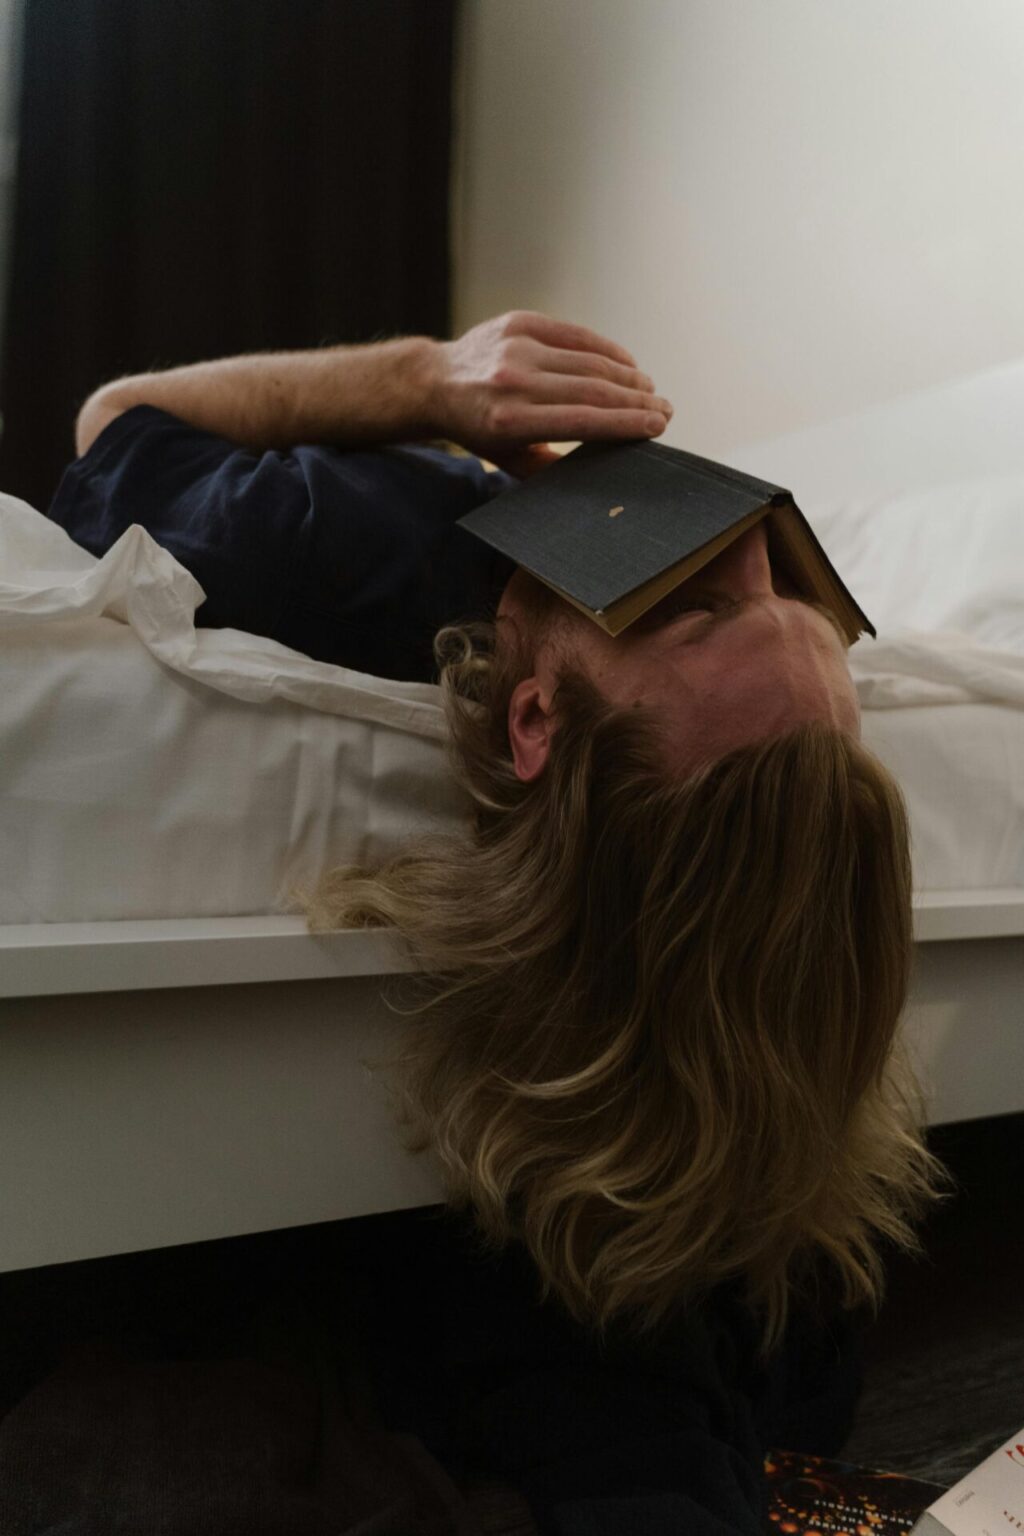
(742, 570)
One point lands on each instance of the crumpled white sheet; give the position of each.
(904, 668)
(46, 576)
(940, 571)
(152, 770)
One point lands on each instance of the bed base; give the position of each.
(172, 1082)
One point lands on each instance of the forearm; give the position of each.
(503, 390)
(381, 392)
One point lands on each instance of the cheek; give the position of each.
(634, 683)
(627, 674)
(617, 687)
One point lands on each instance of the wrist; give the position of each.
(370, 392)
(392, 390)
(422, 364)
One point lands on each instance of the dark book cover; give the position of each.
(811, 1496)
(614, 527)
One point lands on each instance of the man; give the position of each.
(655, 1053)
(284, 544)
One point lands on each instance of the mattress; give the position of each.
(929, 538)
(941, 572)
(149, 769)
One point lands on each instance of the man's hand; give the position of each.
(511, 385)
(503, 390)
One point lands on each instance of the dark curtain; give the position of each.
(204, 177)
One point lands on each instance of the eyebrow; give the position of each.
(696, 632)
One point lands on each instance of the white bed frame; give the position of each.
(170, 1082)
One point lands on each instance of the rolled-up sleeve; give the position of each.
(237, 520)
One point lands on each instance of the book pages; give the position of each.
(989, 1501)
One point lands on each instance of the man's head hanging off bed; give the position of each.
(662, 975)
(661, 981)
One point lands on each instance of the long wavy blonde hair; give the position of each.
(655, 1030)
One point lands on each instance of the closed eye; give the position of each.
(722, 615)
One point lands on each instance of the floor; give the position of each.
(944, 1380)
(945, 1360)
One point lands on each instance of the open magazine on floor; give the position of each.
(812, 1496)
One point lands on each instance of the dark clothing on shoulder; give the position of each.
(383, 1375)
(624, 1438)
(349, 557)
(353, 557)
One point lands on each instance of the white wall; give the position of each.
(786, 209)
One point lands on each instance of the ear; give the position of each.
(531, 724)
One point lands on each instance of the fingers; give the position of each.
(588, 365)
(559, 333)
(567, 389)
(573, 423)
(525, 377)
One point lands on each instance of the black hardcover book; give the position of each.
(615, 527)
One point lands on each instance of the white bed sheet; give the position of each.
(919, 503)
(941, 573)
(960, 769)
(150, 769)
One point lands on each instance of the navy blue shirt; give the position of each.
(350, 557)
